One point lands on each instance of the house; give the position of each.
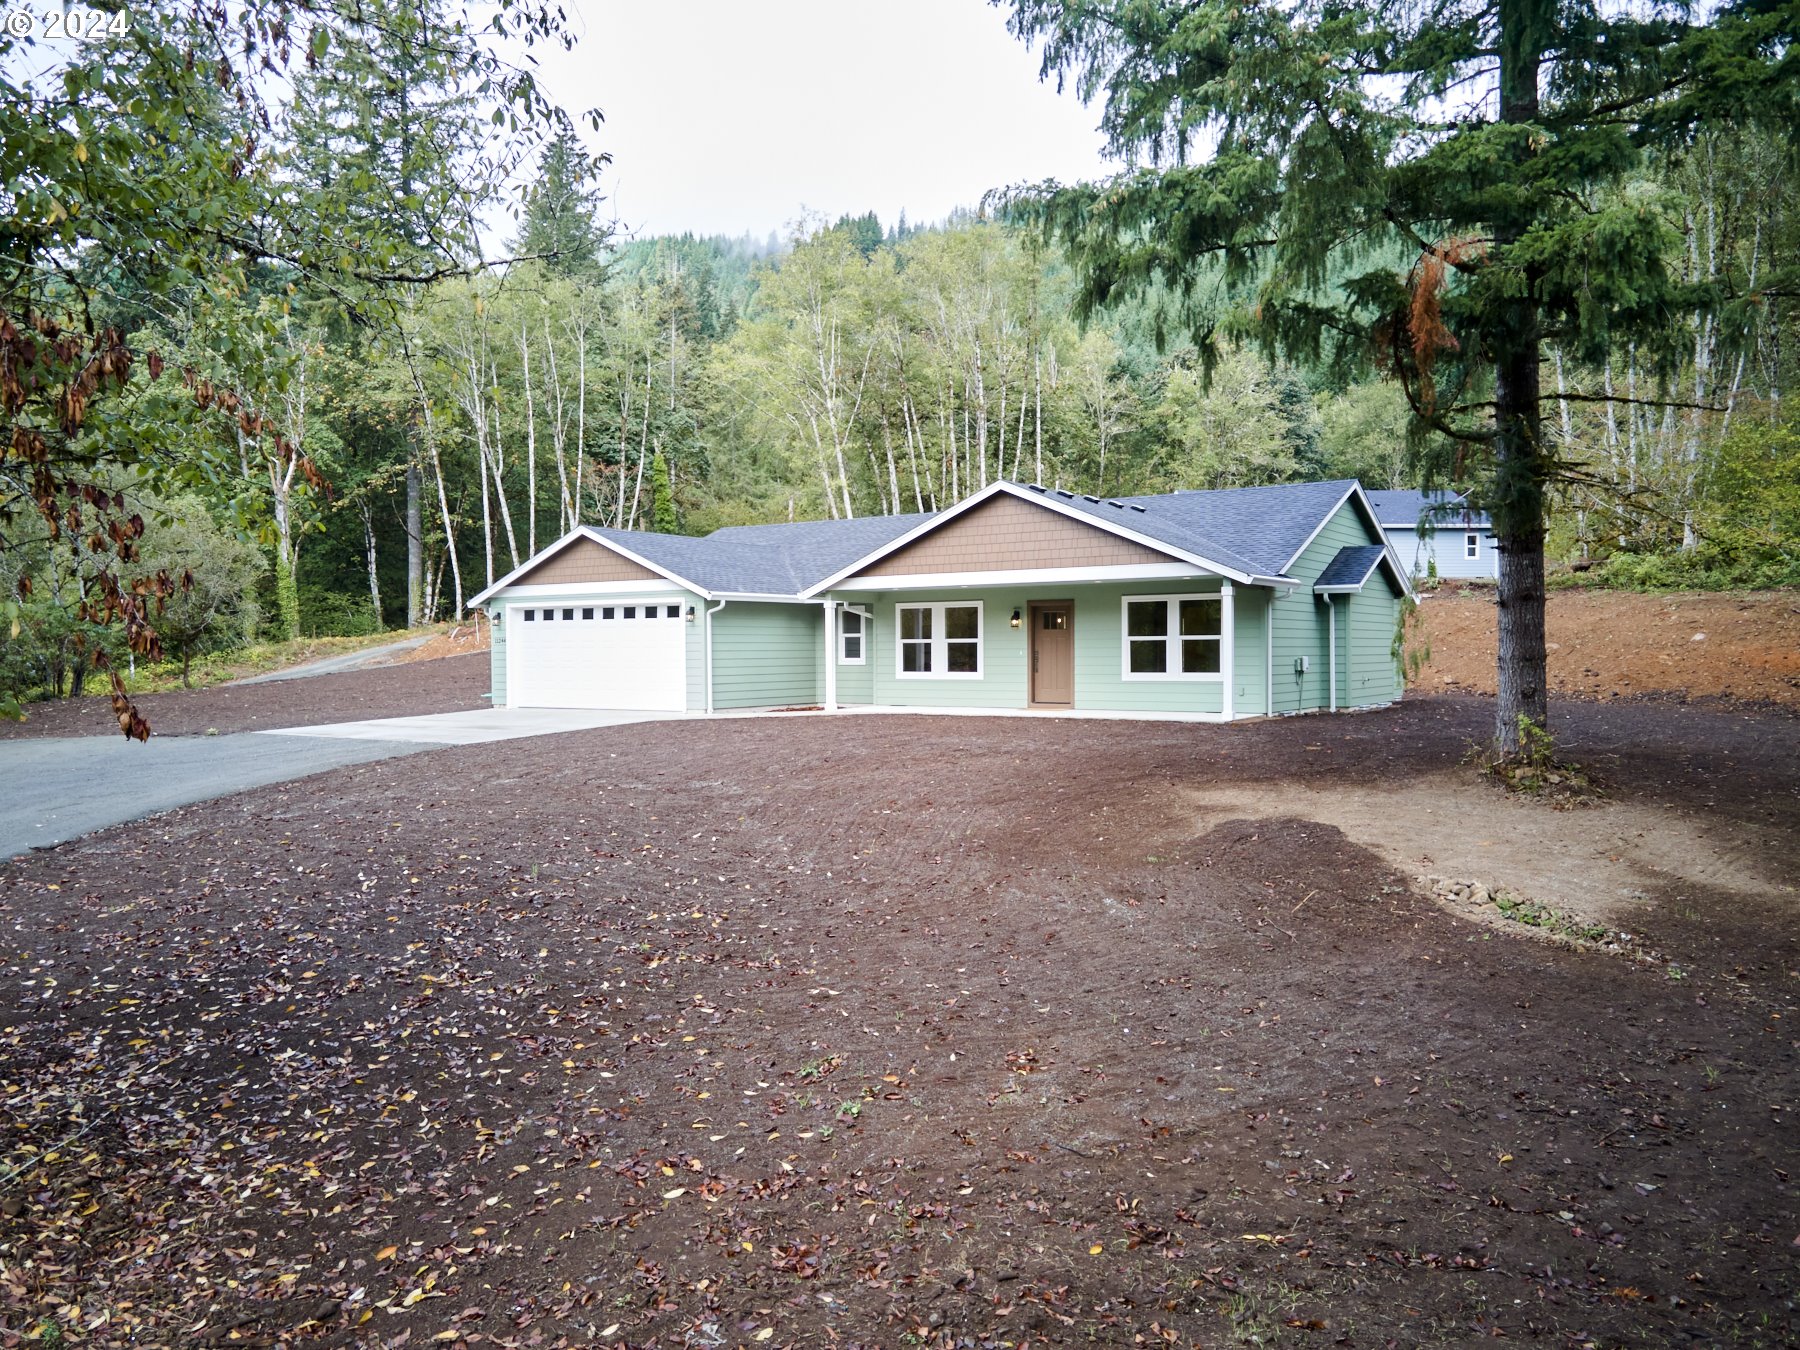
(1204, 606)
(1437, 534)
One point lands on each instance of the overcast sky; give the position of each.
(732, 116)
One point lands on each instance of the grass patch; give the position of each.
(1534, 915)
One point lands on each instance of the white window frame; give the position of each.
(1471, 546)
(862, 633)
(940, 652)
(1173, 638)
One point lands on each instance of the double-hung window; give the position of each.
(851, 638)
(938, 641)
(1471, 546)
(1173, 637)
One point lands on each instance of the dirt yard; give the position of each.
(911, 1030)
(1620, 644)
(399, 690)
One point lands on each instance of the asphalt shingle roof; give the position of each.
(1351, 566)
(1403, 509)
(1254, 531)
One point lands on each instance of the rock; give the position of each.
(1480, 896)
(1698, 637)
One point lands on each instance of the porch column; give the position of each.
(1227, 646)
(1331, 643)
(831, 703)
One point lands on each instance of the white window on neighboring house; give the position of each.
(851, 649)
(1172, 637)
(1471, 545)
(938, 641)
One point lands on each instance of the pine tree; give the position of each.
(662, 497)
(1431, 187)
(561, 222)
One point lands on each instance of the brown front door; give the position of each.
(1053, 654)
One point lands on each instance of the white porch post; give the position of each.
(831, 703)
(1227, 646)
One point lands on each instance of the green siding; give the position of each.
(1252, 607)
(1004, 682)
(767, 655)
(497, 656)
(1365, 628)
(696, 656)
(856, 683)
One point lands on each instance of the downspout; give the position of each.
(1331, 644)
(708, 641)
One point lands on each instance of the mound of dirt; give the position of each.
(458, 641)
(1741, 645)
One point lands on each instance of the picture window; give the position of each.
(1173, 637)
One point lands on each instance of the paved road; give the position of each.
(56, 789)
(52, 790)
(332, 665)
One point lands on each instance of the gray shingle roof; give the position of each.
(1404, 508)
(1253, 531)
(1350, 567)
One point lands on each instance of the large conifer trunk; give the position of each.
(1520, 466)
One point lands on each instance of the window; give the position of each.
(1173, 637)
(569, 615)
(530, 615)
(939, 641)
(649, 611)
(606, 613)
(587, 613)
(850, 637)
(671, 611)
(549, 614)
(1471, 546)
(631, 611)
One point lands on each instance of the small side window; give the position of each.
(569, 615)
(606, 612)
(587, 613)
(631, 611)
(549, 615)
(671, 611)
(1471, 546)
(530, 615)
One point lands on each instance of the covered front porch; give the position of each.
(1188, 647)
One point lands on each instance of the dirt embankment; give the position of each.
(1617, 644)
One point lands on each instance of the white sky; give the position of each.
(732, 116)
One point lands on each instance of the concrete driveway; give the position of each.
(57, 789)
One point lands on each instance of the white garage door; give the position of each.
(622, 655)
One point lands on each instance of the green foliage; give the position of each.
(213, 605)
(1411, 648)
(561, 227)
(662, 511)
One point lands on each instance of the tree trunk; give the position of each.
(1520, 464)
(415, 547)
(367, 508)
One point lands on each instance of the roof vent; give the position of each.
(1086, 498)
(1035, 487)
(1118, 505)
(1062, 492)
(1136, 507)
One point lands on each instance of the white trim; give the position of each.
(556, 590)
(1269, 655)
(1472, 537)
(585, 532)
(830, 702)
(1354, 489)
(1028, 576)
(1227, 645)
(862, 634)
(939, 641)
(1173, 639)
(1037, 499)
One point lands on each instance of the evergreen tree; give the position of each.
(561, 211)
(662, 497)
(1295, 147)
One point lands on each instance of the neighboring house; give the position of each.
(1428, 528)
(1199, 605)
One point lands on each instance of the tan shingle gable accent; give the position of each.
(1006, 533)
(585, 560)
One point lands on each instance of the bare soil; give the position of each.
(1741, 645)
(459, 640)
(910, 1030)
(398, 690)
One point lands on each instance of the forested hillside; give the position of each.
(318, 390)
